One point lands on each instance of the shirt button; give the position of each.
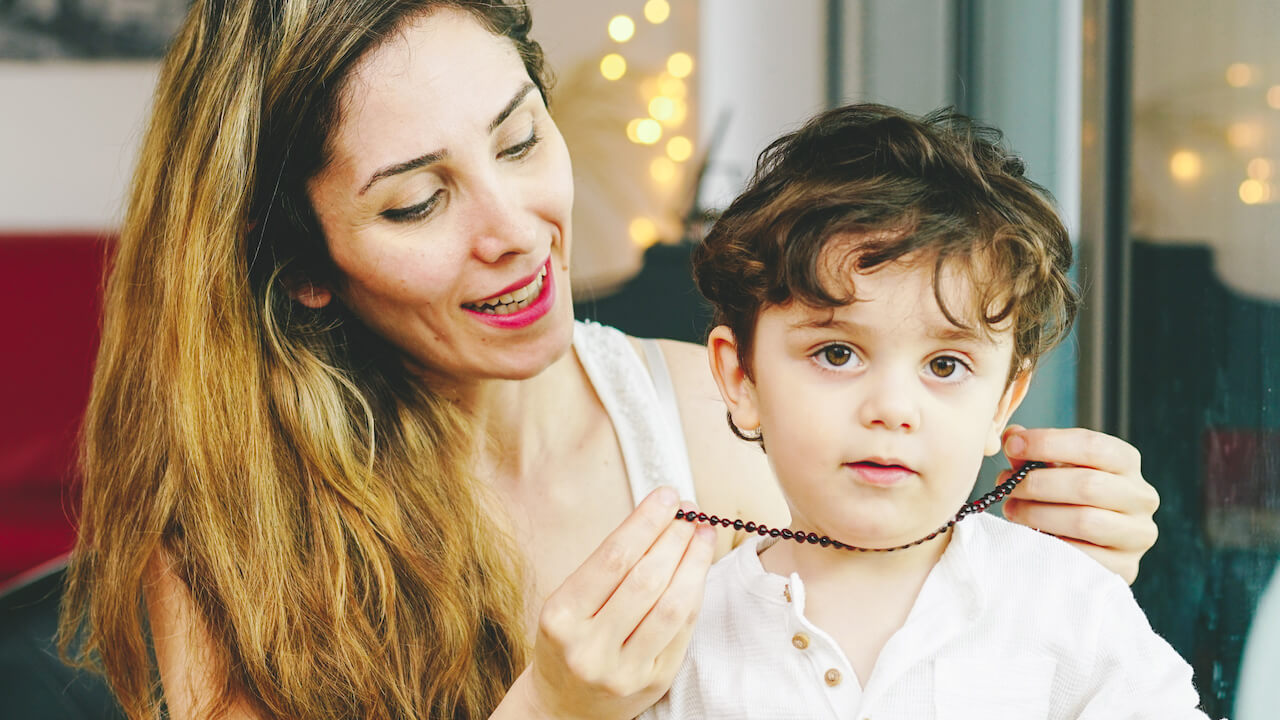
(832, 677)
(800, 640)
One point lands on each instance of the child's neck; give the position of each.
(860, 599)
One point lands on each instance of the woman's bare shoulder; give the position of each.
(731, 476)
(187, 657)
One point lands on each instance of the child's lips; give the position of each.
(880, 474)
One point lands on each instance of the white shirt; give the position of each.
(1010, 624)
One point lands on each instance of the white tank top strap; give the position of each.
(641, 405)
(666, 391)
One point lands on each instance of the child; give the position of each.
(882, 290)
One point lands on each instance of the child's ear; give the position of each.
(1012, 398)
(306, 292)
(736, 388)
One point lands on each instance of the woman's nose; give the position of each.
(889, 404)
(499, 223)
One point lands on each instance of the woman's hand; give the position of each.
(611, 638)
(1092, 495)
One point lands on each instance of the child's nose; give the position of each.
(890, 406)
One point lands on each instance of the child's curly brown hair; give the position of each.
(939, 188)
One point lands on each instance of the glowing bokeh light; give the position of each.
(657, 11)
(1244, 134)
(1185, 165)
(672, 87)
(661, 108)
(679, 148)
(1273, 96)
(1253, 192)
(644, 131)
(613, 66)
(680, 64)
(663, 170)
(679, 111)
(1260, 169)
(1239, 75)
(621, 28)
(643, 231)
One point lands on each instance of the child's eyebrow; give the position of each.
(953, 333)
(945, 333)
(826, 323)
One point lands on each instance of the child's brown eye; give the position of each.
(836, 355)
(943, 366)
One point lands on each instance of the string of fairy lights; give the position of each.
(1244, 136)
(665, 107)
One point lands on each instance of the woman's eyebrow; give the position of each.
(438, 155)
(511, 106)
(404, 167)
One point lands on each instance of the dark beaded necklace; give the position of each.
(1000, 492)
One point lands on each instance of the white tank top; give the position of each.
(641, 405)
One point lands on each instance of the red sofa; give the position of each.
(50, 289)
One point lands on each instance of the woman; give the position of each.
(354, 470)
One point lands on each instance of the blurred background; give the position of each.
(1155, 123)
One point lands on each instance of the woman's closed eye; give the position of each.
(414, 212)
(522, 148)
(948, 368)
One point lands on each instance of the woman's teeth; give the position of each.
(513, 301)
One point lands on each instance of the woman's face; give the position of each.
(446, 203)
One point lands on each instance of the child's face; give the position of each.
(876, 415)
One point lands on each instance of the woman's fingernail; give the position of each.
(1015, 445)
(668, 496)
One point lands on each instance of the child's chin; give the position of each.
(877, 533)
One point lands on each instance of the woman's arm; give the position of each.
(189, 661)
(1093, 496)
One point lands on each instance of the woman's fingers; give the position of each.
(1124, 564)
(1073, 446)
(611, 637)
(664, 630)
(1069, 485)
(645, 583)
(1095, 526)
(1093, 495)
(588, 588)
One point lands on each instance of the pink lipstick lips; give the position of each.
(520, 304)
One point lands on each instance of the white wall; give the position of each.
(764, 68)
(68, 135)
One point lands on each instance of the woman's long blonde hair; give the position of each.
(313, 495)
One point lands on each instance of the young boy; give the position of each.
(883, 289)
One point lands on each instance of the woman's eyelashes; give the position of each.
(414, 212)
(522, 148)
(519, 151)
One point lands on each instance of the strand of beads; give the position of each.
(974, 507)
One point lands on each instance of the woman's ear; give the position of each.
(1012, 398)
(736, 387)
(306, 292)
